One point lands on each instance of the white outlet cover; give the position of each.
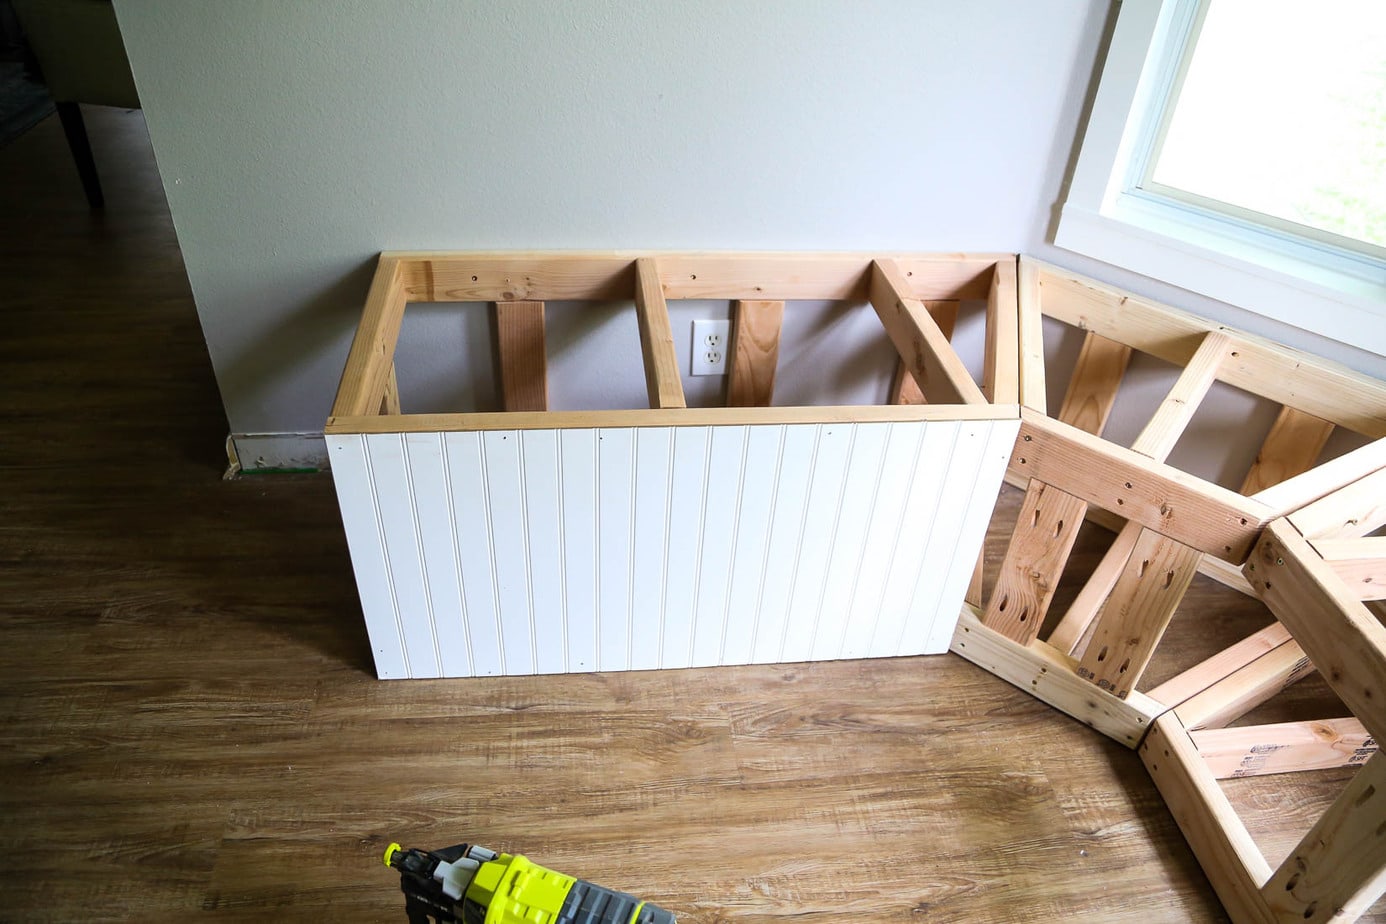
(711, 347)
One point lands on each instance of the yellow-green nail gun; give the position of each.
(469, 884)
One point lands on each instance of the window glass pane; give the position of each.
(1283, 111)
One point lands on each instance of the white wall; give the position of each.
(296, 140)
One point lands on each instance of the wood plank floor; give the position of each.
(191, 729)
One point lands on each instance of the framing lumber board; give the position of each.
(916, 335)
(1341, 636)
(520, 351)
(1158, 496)
(1068, 635)
(1241, 691)
(1360, 563)
(1172, 417)
(1048, 675)
(1001, 372)
(1302, 490)
(1339, 869)
(1220, 666)
(830, 276)
(365, 377)
(1285, 376)
(1031, 334)
(389, 402)
(1233, 863)
(681, 417)
(755, 349)
(518, 276)
(1097, 376)
(1134, 619)
(1221, 571)
(904, 389)
(1354, 511)
(1039, 547)
(1156, 440)
(1285, 747)
(1292, 446)
(662, 379)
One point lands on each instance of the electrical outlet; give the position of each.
(710, 342)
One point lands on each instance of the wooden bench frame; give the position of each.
(1313, 569)
(395, 471)
(1292, 536)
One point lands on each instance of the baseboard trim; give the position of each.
(275, 453)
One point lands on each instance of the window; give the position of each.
(1237, 148)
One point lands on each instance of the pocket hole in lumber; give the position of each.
(1059, 528)
(1102, 655)
(1366, 794)
(1144, 565)
(1001, 607)
(1169, 579)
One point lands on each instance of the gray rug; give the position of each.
(23, 103)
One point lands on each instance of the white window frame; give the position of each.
(1228, 255)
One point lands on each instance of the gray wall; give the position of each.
(296, 140)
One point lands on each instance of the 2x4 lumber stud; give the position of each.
(1165, 499)
(1303, 492)
(1001, 367)
(1137, 613)
(1281, 374)
(1341, 636)
(1360, 563)
(915, 333)
(1235, 867)
(1292, 446)
(662, 379)
(903, 388)
(1338, 870)
(1220, 666)
(1092, 389)
(372, 356)
(520, 350)
(389, 402)
(1354, 511)
(1284, 747)
(1156, 440)
(755, 350)
(1069, 634)
(1031, 334)
(1044, 533)
(1235, 695)
(1048, 676)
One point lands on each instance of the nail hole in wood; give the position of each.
(473, 279)
(1120, 502)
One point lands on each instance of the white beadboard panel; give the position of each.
(356, 495)
(577, 467)
(544, 542)
(764, 457)
(927, 484)
(789, 506)
(394, 488)
(505, 513)
(816, 539)
(437, 526)
(542, 551)
(654, 449)
(470, 514)
(859, 495)
(722, 506)
(882, 535)
(688, 486)
(990, 468)
(615, 519)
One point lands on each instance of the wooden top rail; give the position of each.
(520, 283)
(1315, 386)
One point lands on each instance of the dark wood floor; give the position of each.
(191, 728)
